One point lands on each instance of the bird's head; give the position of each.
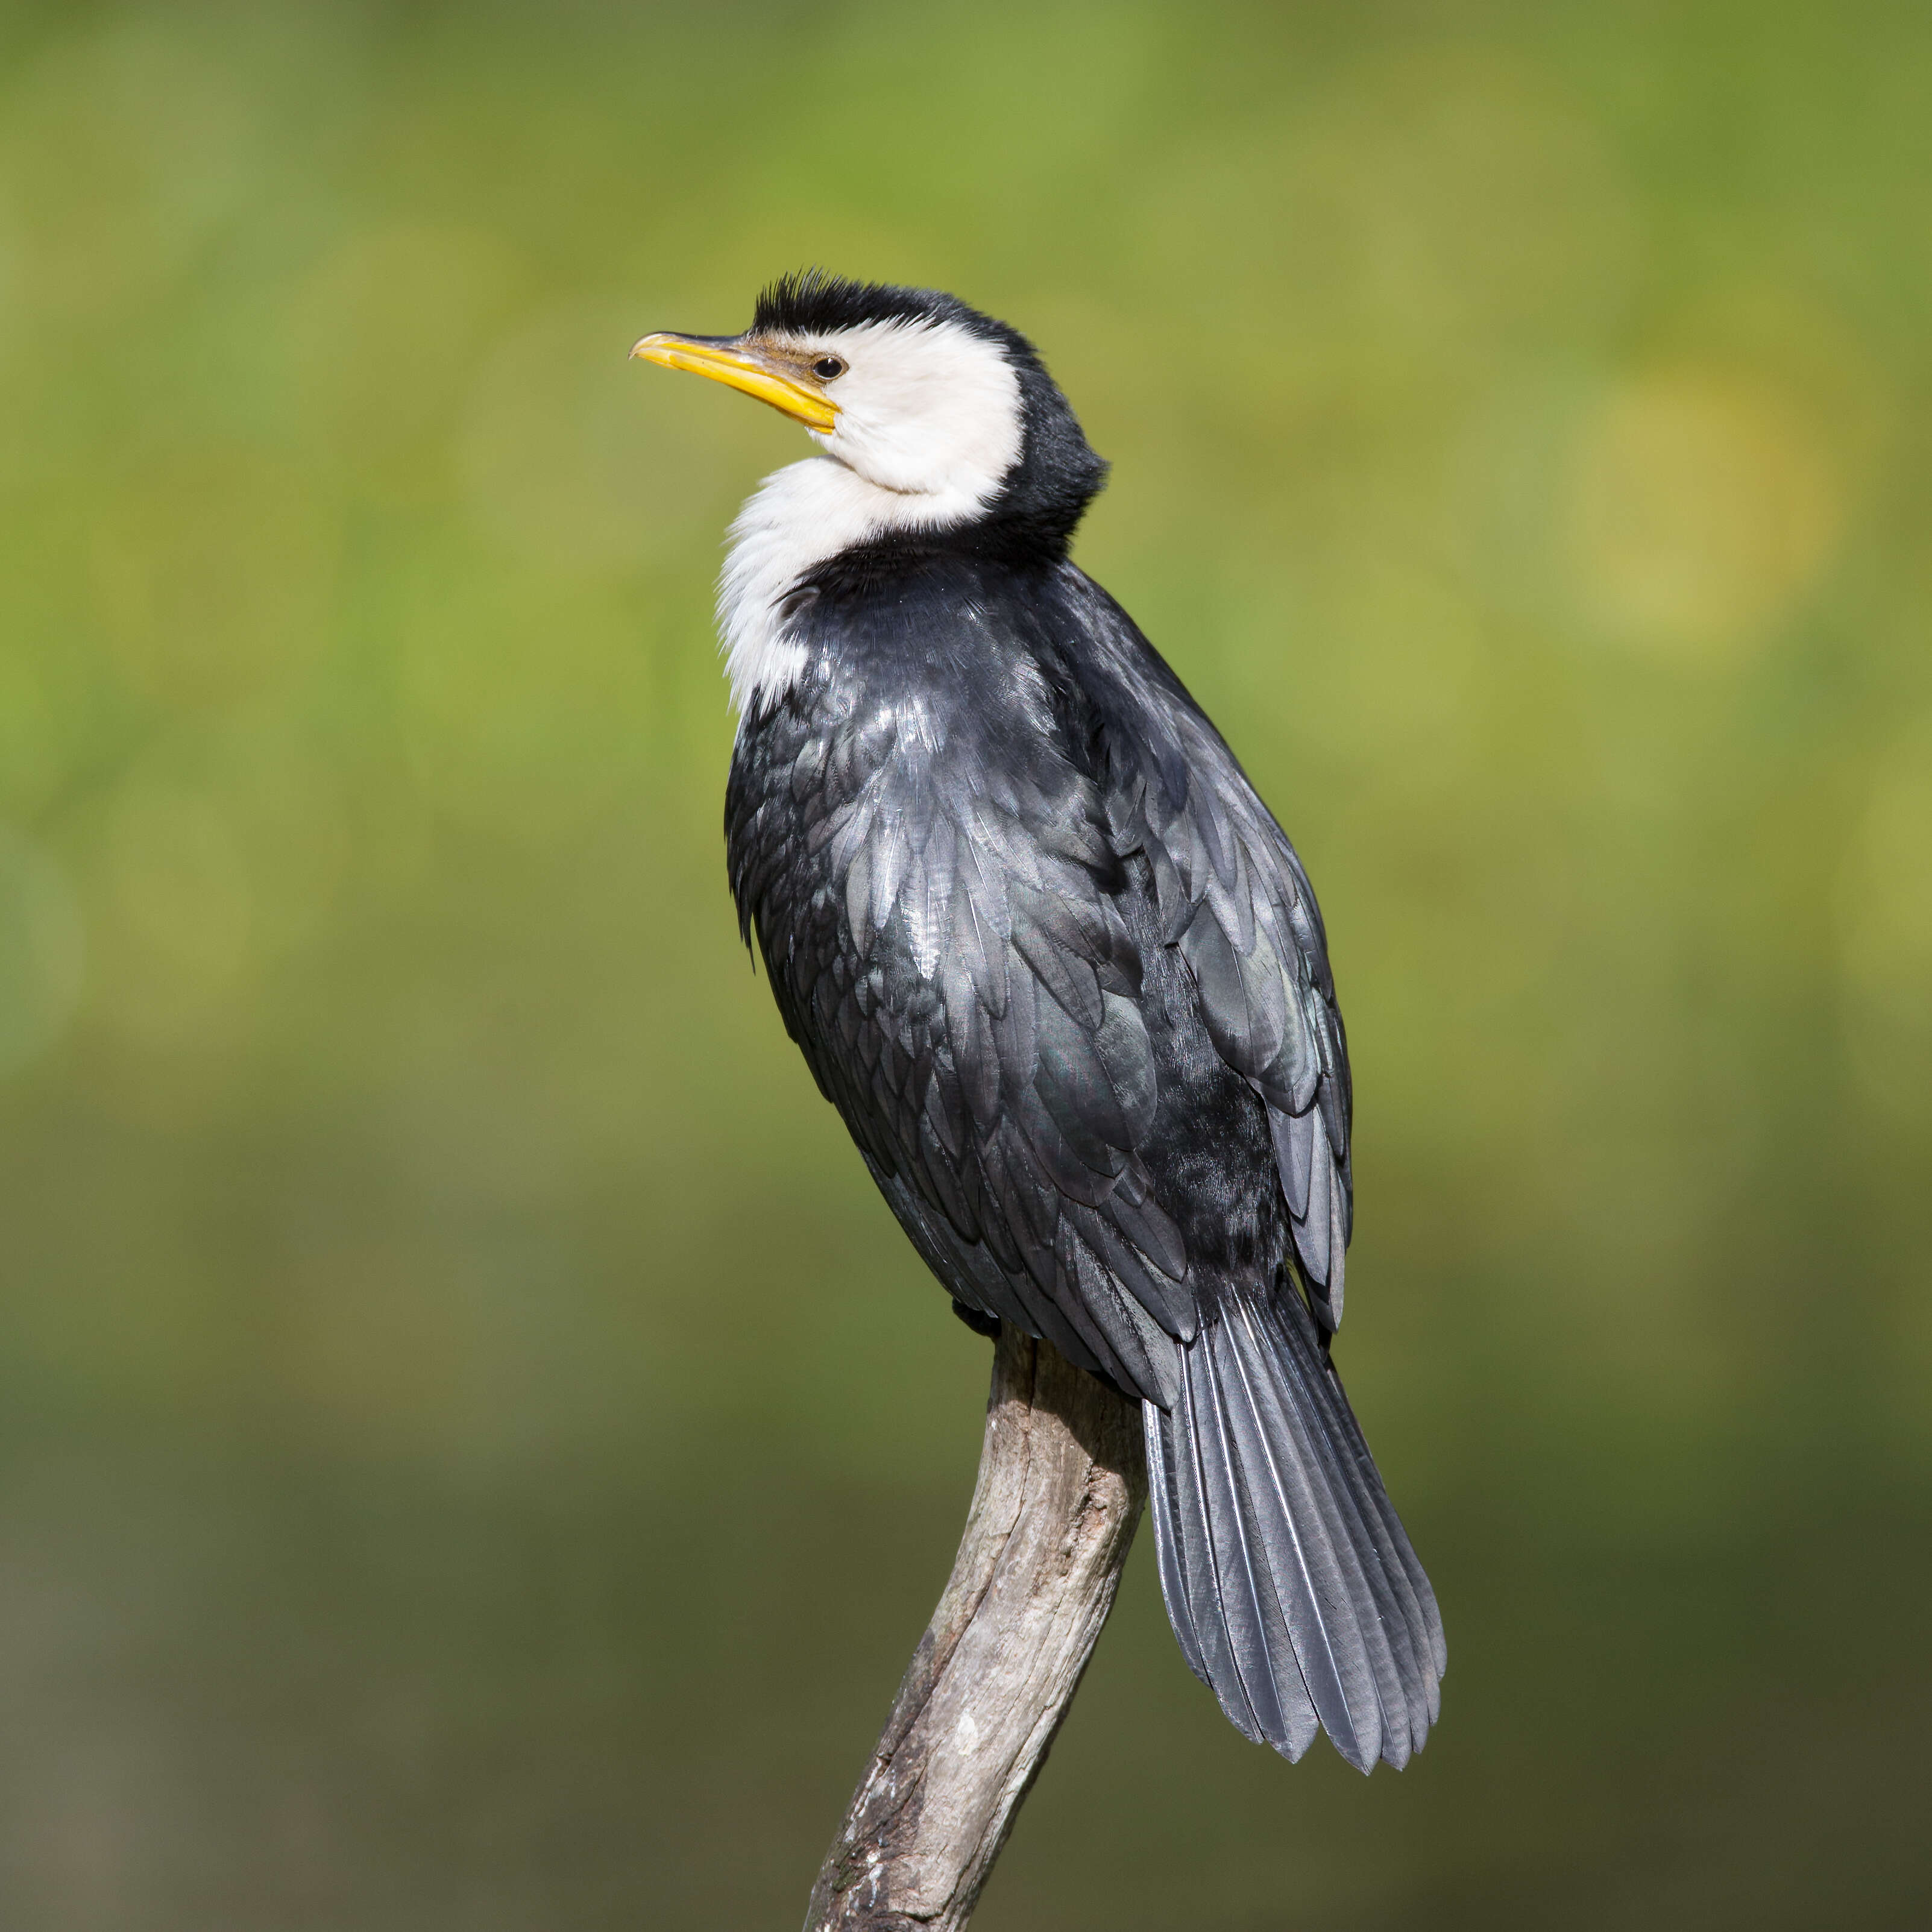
(915, 392)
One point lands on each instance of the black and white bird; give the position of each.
(1050, 957)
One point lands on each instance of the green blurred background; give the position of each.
(473, 1450)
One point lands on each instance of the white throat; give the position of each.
(929, 425)
(799, 517)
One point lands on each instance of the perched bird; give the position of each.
(1050, 957)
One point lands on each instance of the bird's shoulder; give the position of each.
(932, 689)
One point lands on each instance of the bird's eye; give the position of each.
(827, 366)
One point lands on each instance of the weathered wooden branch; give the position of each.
(1062, 1479)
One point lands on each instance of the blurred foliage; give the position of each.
(476, 1452)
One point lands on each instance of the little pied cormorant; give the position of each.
(1049, 955)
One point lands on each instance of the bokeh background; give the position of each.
(473, 1450)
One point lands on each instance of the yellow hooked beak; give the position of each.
(757, 374)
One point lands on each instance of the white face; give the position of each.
(927, 409)
(921, 422)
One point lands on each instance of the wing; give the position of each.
(1234, 900)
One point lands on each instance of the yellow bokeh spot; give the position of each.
(1701, 505)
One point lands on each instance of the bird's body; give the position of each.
(1064, 976)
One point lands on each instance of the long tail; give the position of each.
(1290, 1584)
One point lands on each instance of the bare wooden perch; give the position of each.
(1062, 1479)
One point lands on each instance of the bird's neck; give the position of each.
(800, 518)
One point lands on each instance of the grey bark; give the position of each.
(1062, 1480)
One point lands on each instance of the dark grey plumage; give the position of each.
(1063, 976)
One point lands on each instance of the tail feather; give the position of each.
(1259, 1642)
(1334, 1619)
(1214, 1616)
(1292, 1589)
(1404, 1599)
(1406, 1568)
(1362, 1527)
(1162, 1505)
